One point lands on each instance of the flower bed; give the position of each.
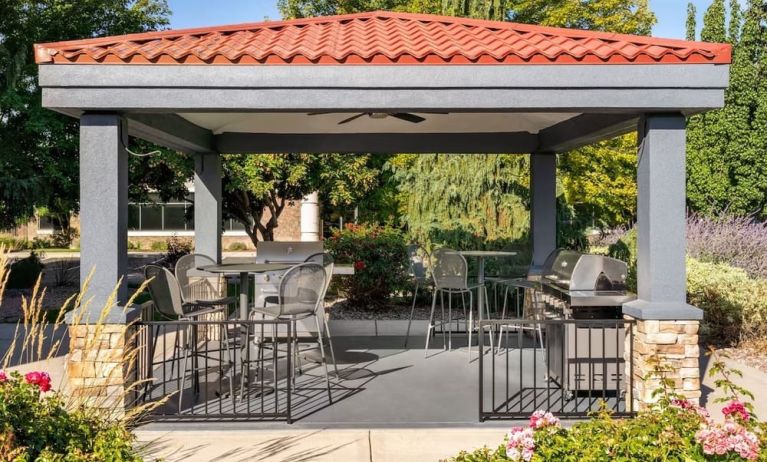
(673, 430)
(35, 425)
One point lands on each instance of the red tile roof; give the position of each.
(381, 38)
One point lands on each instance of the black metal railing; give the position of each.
(215, 369)
(571, 367)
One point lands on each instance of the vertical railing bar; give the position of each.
(481, 403)
(563, 380)
(508, 372)
(275, 352)
(577, 366)
(535, 365)
(492, 363)
(521, 368)
(290, 371)
(548, 361)
(618, 375)
(630, 394)
(245, 372)
(261, 369)
(604, 361)
(590, 382)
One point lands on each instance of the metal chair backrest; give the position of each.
(197, 284)
(327, 262)
(449, 270)
(418, 261)
(165, 291)
(301, 288)
(286, 251)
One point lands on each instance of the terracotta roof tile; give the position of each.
(381, 38)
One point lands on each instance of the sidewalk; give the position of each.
(365, 445)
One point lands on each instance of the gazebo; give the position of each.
(419, 84)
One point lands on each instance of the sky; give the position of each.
(199, 13)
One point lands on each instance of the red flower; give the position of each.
(41, 379)
(736, 408)
(359, 265)
(3, 377)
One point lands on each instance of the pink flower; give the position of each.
(541, 419)
(3, 377)
(520, 445)
(736, 408)
(721, 439)
(688, 405)
(41, 379)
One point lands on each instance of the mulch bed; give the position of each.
(341, 309)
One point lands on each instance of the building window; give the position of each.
(169, 217)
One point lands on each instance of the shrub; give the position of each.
(14, 244)
(735, 305)
(674, 429)
(380, 259)
(134, 245)
(36, 425)
(625, 249)
(24, 272)
(63, 238)
(177, 248)
(738, 241)
(158, 245)
(237, 246)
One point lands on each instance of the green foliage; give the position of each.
(38, 147)
(257, 182)
(24, 272)
(670, 430)
(726, 167)
(622, 16)
(625, 249)
(691, 23)
(380, 259)
(734, 304)
(176, 248)
(466, 201)
(237, 246)
(36, 426)
(599, 181)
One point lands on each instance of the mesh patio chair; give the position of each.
(419, 259)
(200, 286)
(327, 262)
(532, 309)
(299, 296)
(449, 271)
(169, 302)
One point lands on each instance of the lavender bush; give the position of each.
(738, 241)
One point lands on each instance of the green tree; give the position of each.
(258, 187)
(726, 167)
(691, 23)
(39, 148)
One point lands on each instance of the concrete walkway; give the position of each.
(348, 445)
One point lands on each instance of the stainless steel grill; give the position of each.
(585, 287)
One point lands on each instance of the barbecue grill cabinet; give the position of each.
(586, 355)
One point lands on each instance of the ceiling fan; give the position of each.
(406, 116)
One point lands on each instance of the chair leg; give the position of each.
(296, 349)
(431, 322)
(503, 317)
(330, 345)
(412, 310)
(182, 386)
(322, 354)
(442, 319)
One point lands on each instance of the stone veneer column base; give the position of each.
(100, 366)
(675, 345)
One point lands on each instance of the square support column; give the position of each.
(661, 221)
(543, 209)
(666, 327)
(207, 204)
(103, 210)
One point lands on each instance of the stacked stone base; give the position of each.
(671, 344)
(99, 366)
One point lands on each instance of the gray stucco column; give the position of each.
(103, 210)
(543, 209)
(207, 204)
(661, 274)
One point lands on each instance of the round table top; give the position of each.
(237, 268)
(486, 253)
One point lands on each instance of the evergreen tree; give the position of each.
(691, 23)
(727, 166)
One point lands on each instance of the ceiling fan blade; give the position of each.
(406, 116)
(346, 121)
